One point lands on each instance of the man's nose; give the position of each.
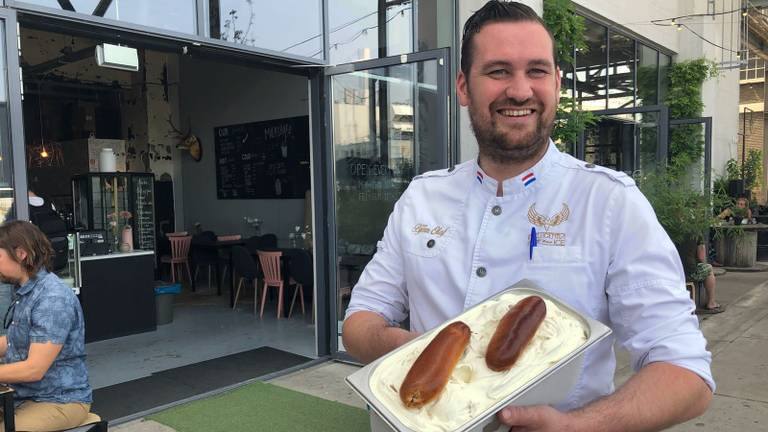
(518, 88)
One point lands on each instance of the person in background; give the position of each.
(43, 214)
(701, 272)
(741, 210)
(44, 347)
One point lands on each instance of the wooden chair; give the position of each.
(179, 255)
(270, 266)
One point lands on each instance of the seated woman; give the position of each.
(44, 347)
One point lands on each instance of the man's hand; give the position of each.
(538, 418)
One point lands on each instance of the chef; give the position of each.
(524, 210)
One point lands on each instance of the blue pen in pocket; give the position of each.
(532, 243)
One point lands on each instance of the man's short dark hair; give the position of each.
(492, 12)
(22, 234)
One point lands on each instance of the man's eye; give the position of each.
(497, 73)
(538, 72)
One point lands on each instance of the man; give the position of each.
(458, 236)
(741, 211)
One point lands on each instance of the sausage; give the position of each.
(430, 372)
(515, 330)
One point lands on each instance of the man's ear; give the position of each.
(557, 83)
(462, 89)
(21, 254)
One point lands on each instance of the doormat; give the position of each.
(264, 407)
(124, 399)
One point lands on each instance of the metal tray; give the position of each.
(549, 387)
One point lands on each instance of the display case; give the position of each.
(121, 204)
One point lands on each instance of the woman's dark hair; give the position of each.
(25, 235)
(492, 12)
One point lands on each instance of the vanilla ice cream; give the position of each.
(473, 388)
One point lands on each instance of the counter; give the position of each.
(117, 294)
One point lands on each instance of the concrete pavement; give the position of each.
(737, 338)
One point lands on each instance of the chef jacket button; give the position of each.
(496, 210)
(589, 165)
(431, 243)
(481, 272)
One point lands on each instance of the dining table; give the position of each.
(226, 247)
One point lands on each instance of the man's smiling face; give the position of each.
(512, 90)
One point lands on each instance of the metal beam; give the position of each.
(102, 7)
(66, 5)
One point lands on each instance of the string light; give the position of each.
(44, 153)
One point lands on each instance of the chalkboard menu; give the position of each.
(144, 206)
(267, 159)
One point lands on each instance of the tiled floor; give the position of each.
(204, 327)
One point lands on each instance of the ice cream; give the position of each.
(473, 388)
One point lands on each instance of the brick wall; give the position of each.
(754, 140)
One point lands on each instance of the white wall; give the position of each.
(217, 94)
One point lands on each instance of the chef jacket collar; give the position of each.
(527, 180)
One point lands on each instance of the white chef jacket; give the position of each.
(451, 242)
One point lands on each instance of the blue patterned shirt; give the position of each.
(46, 310)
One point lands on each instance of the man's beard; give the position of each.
(495, 144)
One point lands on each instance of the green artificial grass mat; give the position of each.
(264, 407)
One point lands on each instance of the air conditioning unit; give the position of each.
(117, 57)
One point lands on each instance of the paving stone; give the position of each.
(729, 414)
(740, 370)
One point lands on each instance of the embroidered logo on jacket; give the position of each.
(438, 230)
(547, 238)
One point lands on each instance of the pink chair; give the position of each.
(179, 255)
(270, 266)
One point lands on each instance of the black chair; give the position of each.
(205, 256)
(252, 244)
(267, 241)
(245, 266)
(300, 270)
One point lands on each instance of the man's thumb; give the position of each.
(520, 416)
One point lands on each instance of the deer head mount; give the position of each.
(187, 141)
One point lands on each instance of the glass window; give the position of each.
(174, 15)
(621, 72)
(6, 161)
(288, 26)
(354, 29)
(590, 68)
(665, 62)
(647, 75)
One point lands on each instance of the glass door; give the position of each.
(13, 183)
(389, 122)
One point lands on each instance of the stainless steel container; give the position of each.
(549, 387)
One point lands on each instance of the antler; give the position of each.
(175, 129)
